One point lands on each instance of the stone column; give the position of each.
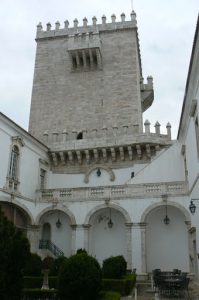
(143, 246)
(73, 241)
(86, 236)
(129, 244)
(33, 237)
(77, 237)
(139, 248)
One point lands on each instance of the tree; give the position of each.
(14, 252)
(80, 278)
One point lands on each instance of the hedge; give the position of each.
(123, 286)
(114, 267)
(109, 295)
(32, 282)
(35, 294)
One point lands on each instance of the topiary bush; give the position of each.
(114, 267)
(54, 271)
(80, 278)
(33, 265)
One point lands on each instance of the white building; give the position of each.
(98, 180)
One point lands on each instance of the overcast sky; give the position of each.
(166, 30)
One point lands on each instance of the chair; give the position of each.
(182, 287)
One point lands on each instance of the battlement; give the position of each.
(86, 29)
(52, 137)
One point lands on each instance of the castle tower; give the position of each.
(89, 95)
(88, 79)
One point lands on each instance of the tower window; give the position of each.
(80, 136)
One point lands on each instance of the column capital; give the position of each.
(33, 227)
(139, 225)
(129, 225)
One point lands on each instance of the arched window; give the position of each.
(14, 163)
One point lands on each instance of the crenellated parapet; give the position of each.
(124, 149)
(51, 137)
(85, 28)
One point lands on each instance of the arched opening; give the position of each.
(60, 237)
(167, 245)
(107, 236)
(16, 215)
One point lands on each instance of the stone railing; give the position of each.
(113, 192)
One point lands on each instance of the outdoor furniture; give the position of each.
(171, 284)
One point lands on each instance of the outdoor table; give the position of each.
(172, 286)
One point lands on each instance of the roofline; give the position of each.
(23, 130)
(189, 74)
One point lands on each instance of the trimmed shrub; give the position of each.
(79, 278)
(80, 251)
(57, 265)
(114, 267)
(108, 295)
(123, 286)
(33, 265)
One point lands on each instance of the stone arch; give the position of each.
(103, 239)
(110, 205)
(58, 208)
(107, 169)
(169, 203)
(23, 208)
(158, 252)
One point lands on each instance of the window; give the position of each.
(80, 136)
(14, 162)
(86, 59)
(42, 179)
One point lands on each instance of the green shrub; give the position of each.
(79, 278)
(123, 286)
(114, 267)
(57, 265)
(31, 282)
(32, 294)
(80, 251)
(33, 265)
(14, 253)
(109, 295)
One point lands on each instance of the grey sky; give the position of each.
(166, 30)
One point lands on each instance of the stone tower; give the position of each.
(88, 81)
(88, 96)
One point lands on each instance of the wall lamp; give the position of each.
(192, 206)
(166, 219)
